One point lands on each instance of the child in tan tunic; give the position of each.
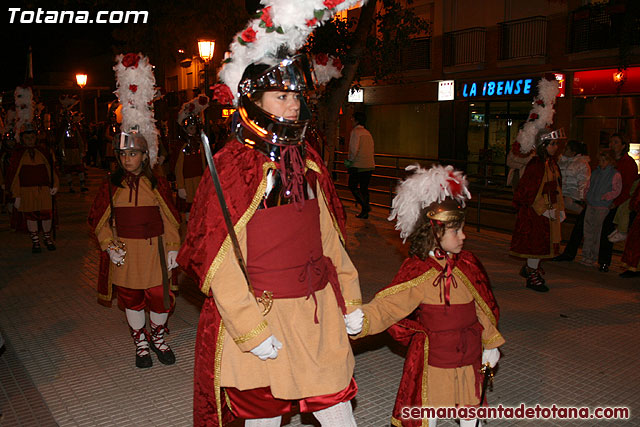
(440, 303)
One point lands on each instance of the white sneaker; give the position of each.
(618, 237)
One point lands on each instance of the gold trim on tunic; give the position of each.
(491, 340)
(432, 272)
(251, 334)
(476, 296)
(352, 302)
(240, 225)
(217, 367)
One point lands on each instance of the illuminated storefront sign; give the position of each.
(356, 95)
(611, 81)
(446, 90)
(226, 112)
(492, 88)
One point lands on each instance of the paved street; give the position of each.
(70, 362)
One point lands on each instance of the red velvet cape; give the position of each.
(411, 333)
(96, 214)
(631, 254)
(531, 236)
(241, 170)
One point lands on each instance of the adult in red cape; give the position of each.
(631, 254)
(250, 362)
(540, 211)
(440, 303)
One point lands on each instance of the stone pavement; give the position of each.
(70, 362)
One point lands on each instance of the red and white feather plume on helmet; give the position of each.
(136, 90)
(190, 111)
(23, 97)
(540, 116)
(281, 25)
(440, 193)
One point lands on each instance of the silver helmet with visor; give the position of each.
(130, 141)
(292, 74)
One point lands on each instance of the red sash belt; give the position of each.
(34, 176)
(455, 335)
(140, 222)
(284, 254)
(192, 165)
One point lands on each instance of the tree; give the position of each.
(380, 35)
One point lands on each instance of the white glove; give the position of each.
(171, 260)
(492, 356)
(550, 213)
(182, 193)
(53, 191)
(16, 203)
(116, 255)
(562, 216)
(354, 321)
(268, 349)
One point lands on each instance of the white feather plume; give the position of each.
(547, 91)
(137, 104)
(324, 73)
(293, 21)
(24, 107)
(186, 110)
(422, 188)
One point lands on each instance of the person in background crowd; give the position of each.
(629, 173)
(361, 163)
(190, 163)
(33, 181)
(631, 254)
(604, 186)
(575, 170)
(624, 217)
(540, 210)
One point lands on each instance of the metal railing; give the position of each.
(464, 47)
(523, 38)
(390, 170)
(417, 55)
(599, 28)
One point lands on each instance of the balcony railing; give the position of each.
(600, 28)
(523, 38)
(464, 47)
(417, 54)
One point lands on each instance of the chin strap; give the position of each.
(445, 280)
(291, 167)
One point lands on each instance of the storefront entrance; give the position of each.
(493, 128)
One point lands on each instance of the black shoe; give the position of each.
(363, 214)
(604, 268)
(36, 249)
(165, 357)
(144, 361)
(628, 274)
(562, 257)
(535, 280)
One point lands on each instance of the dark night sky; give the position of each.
(56, 48)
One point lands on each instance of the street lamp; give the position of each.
(81, 79)
(205, 49)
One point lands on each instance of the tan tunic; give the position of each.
(189, 184)
(542, 203)
(141, 269)
(445, 387)
(315, 359)
(33, 198)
